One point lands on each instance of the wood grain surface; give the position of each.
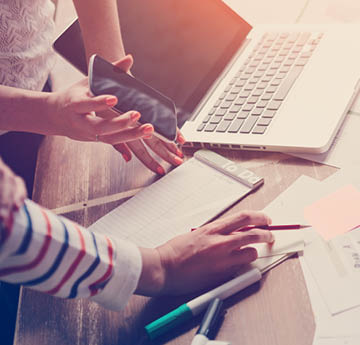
(276, 311)
(78, 177)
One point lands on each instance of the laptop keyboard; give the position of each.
(252, 98)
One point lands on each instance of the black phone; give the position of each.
(133, 94)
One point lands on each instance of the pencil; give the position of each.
(276, 227)
(273, 227)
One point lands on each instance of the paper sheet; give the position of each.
(343, 326)
(189, 196)
(335, 213)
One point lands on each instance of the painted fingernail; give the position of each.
(148, 136)
(126, 157)
(181, 139)
(179, 153)
(160, 170)
(178, 160)
(135, 116)
(148, 129)
(111, 101)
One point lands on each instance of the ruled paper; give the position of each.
(187, 197)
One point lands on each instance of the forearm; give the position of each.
(100, 28)
(23, 110)
(56, 256)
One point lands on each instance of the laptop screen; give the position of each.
(180, 47)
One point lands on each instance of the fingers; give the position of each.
(167, 151)
(12, 193)
(116, 124)
(234, 222)
(97, 104)
(126, 135)
(124, 150)
(108, 113)
(140, 151)
(242, 239)
(242, 257)
(125, 63)
(179, 137)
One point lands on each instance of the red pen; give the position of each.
(276, 227)
(273, 227)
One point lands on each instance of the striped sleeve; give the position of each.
(51, 254)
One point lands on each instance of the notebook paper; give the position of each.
(189, 196)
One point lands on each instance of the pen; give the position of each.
(208, 322)
(273, 227)
(276, 227)
(194, 307)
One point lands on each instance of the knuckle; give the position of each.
(107, 139)
(245, 217)
(252, 237)
(251, 254)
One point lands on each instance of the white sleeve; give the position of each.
(126, 274)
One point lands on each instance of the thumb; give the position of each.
(124, 63)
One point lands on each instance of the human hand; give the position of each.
(201, 258)
(169, 152)
(71, 113)
(12, 193)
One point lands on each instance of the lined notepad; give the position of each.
(189, 196)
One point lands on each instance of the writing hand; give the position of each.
(202, 258)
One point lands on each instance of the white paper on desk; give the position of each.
(290, 204)
(327, 325)
(341, 340)
(337, 286)
(189, 196)
(341, 151)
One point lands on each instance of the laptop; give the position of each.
(280, 88)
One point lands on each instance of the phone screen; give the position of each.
(133, 94)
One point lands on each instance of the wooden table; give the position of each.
(84, 181)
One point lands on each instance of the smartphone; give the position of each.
(133, 94)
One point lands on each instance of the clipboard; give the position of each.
(189, 196)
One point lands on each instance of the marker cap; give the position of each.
(168, 321)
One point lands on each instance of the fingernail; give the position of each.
(111, 101)
(272, 239)
(135, 116)
(181, 139)
(160, 170)
(178, 160)
(148, 136)
(148, 129)
(179, 153)
(126, 157)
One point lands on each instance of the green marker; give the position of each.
(194, 307)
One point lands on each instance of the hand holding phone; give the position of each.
(133, 94)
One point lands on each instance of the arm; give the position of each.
(100, 27)
(70, 113)
(99, 22)
(56, 256)
(53, 255)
